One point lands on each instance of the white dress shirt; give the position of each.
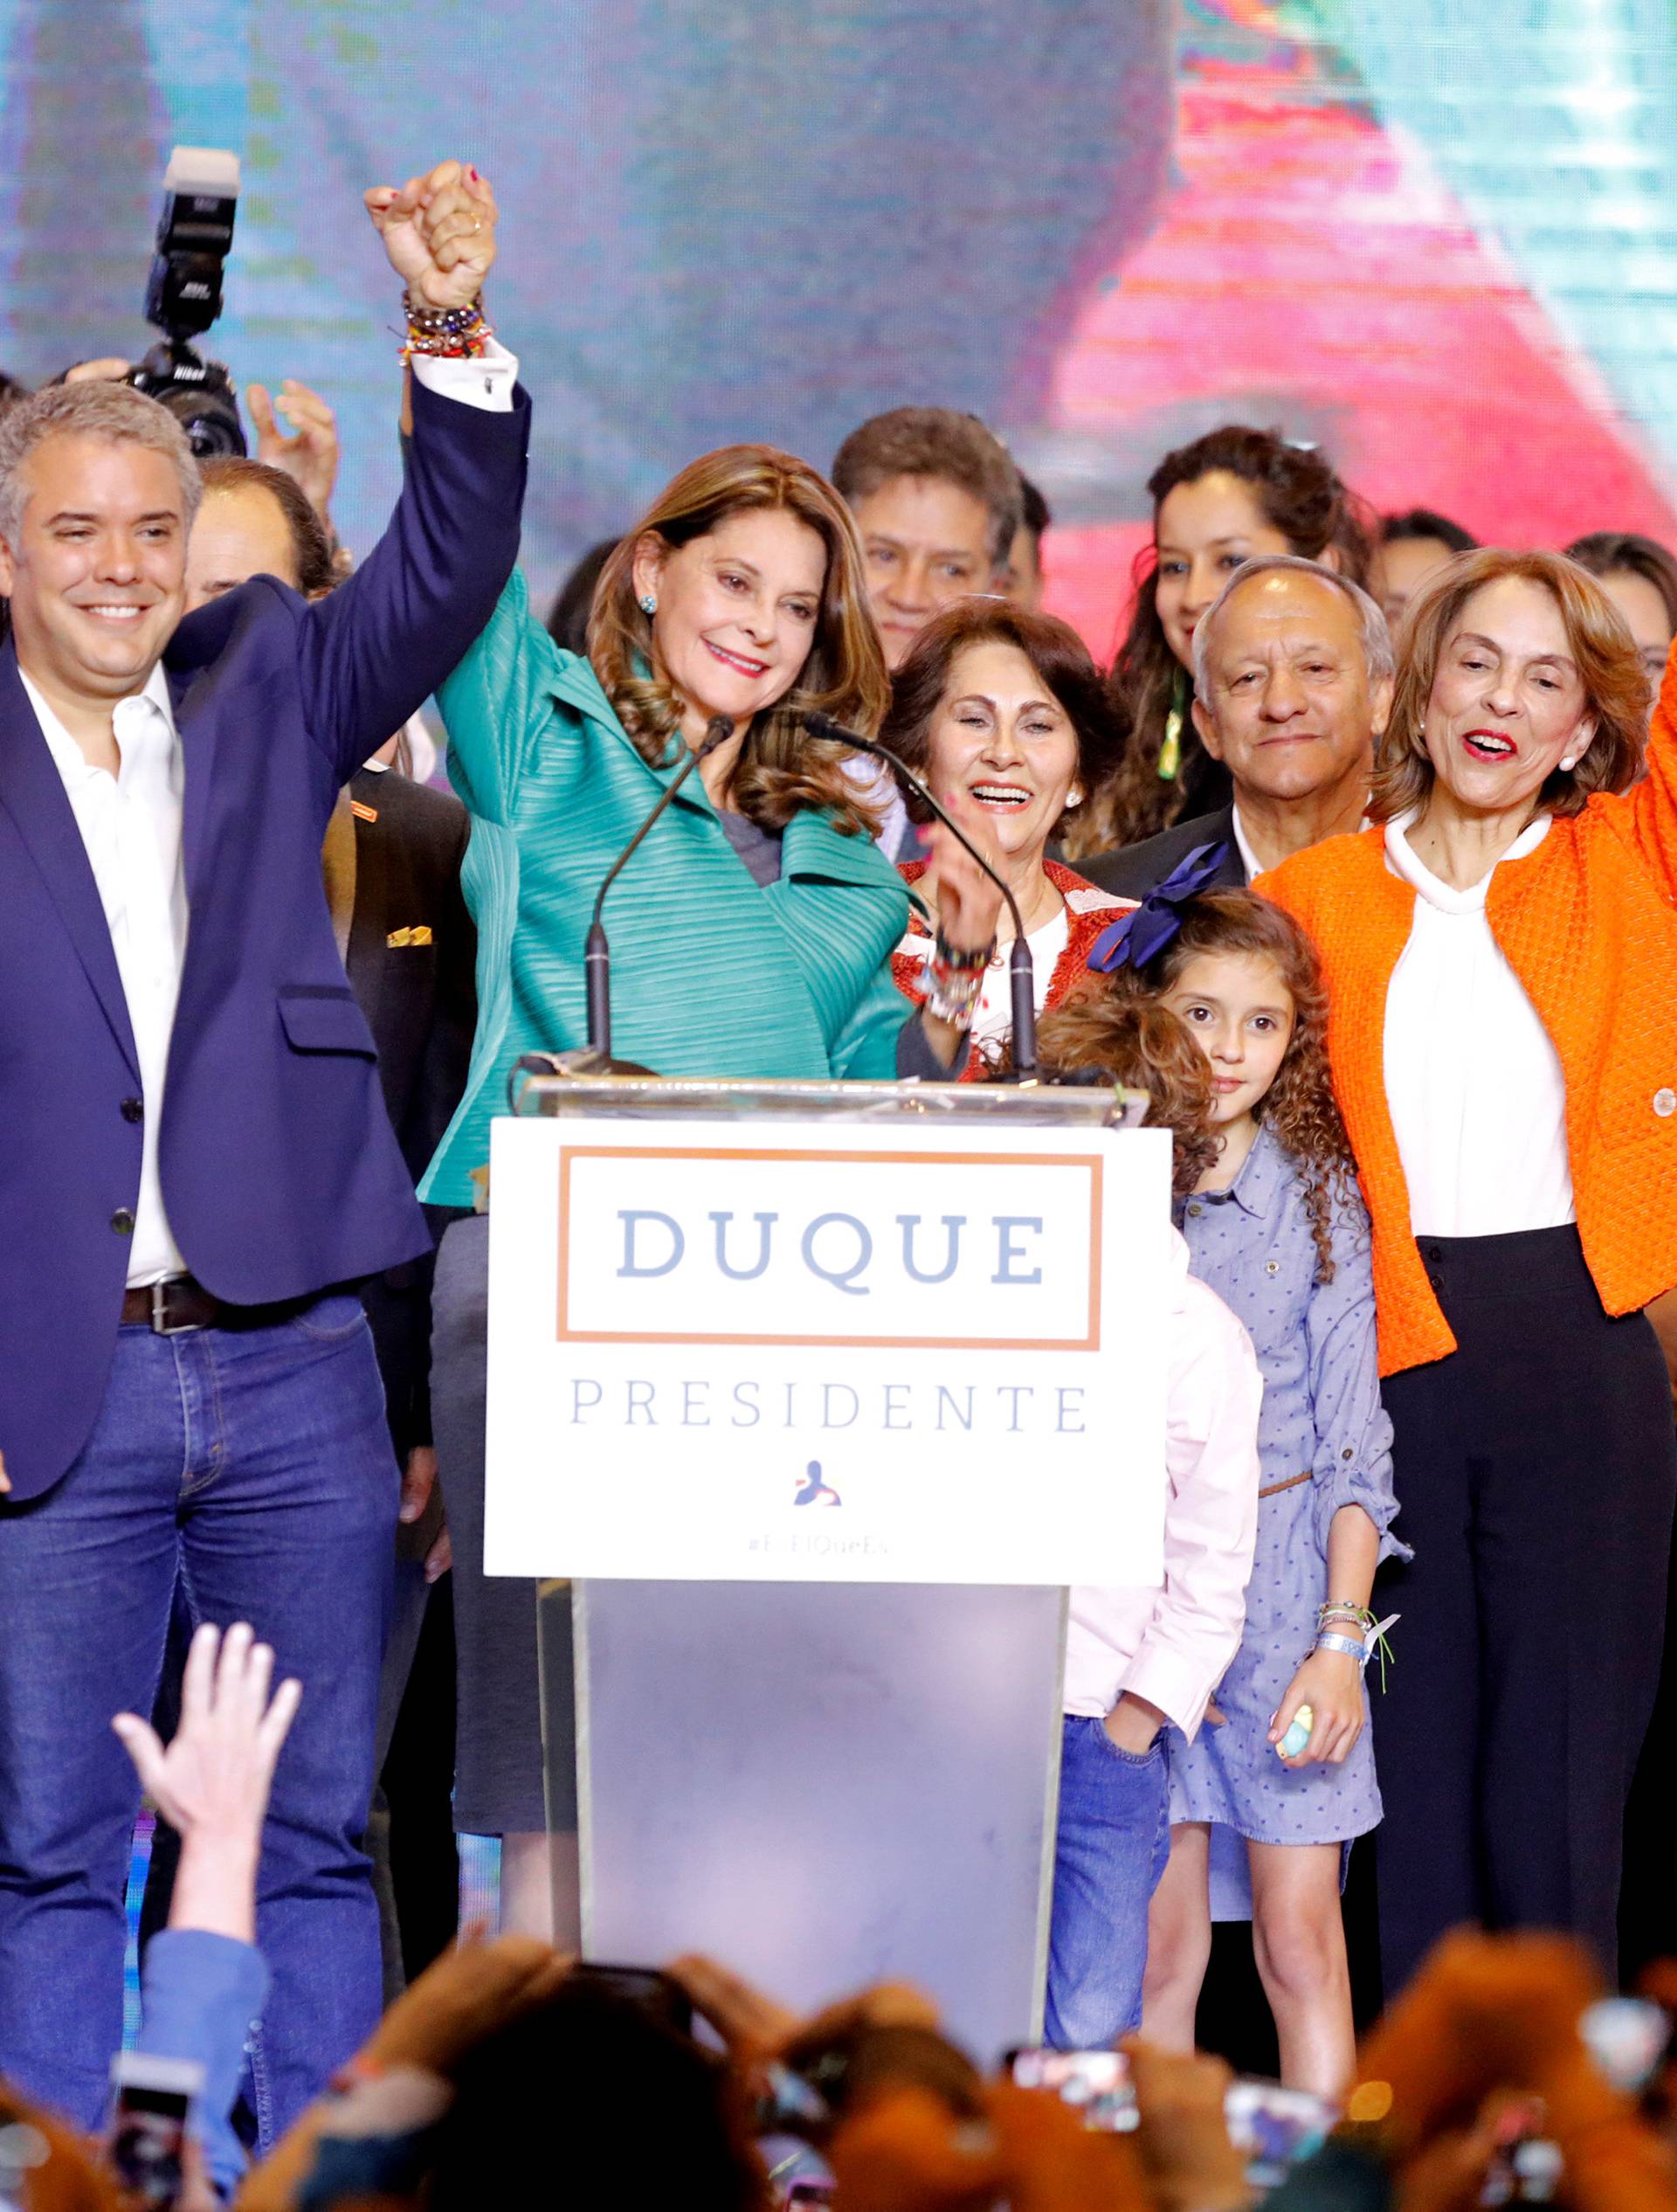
(1476, 1090)
(1173, 1646)
(130, 825)
(485, 382)
(1249, 860)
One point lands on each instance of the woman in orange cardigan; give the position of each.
(1500, 949)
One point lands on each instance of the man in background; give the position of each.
(938, 503)
(1292, 683)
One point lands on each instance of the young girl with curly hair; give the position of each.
(1140, 1660)
(1264, 1805)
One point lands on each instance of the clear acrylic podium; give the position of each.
(822, 1784)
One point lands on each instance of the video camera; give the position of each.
(184, 298)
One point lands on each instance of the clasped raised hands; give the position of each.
(439, 232)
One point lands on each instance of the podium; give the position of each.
(809, 1413)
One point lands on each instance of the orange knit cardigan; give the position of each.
(1589, 923)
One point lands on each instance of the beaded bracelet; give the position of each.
(955, 982)
(1341, 1609)
(446, 334)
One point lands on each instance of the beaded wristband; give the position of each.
(955, 982)
(1344, 1610)
(446, 334)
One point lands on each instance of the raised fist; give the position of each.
(439, 232)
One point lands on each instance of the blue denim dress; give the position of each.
(1324, 1443)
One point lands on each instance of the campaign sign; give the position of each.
(818, 1350)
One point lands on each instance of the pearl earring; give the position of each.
(1075, 796)
(648, 604)
(1567, 766)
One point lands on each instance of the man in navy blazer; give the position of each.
(198, 1167)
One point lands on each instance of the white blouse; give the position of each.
(1476, 1090)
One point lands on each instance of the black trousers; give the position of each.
(1536, 1471)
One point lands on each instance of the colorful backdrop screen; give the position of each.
(1440, 240)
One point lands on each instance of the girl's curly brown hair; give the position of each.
(1143, 1046)
(1300, 1105)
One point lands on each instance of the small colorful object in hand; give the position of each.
(1298, 1735)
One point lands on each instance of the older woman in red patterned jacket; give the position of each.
(1007, 709)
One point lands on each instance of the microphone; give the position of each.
(1021, 973)
(596, 954)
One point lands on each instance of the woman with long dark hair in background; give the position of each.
(1216, 503)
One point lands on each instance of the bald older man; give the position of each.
(1293, 682)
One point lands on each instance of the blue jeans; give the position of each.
(253, 1470)
(1110, 1848)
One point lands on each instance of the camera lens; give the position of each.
(209, 420)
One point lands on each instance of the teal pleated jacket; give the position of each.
(711, 975)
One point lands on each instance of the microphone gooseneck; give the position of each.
(597, 953)
(1021, 970)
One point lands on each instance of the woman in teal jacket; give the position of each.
(751, 934)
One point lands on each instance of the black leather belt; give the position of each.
(179, 1303)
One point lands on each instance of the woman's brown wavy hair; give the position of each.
(781, 769)
(1300, 1105)
(1299, 494)
(1616, 687)
(1143, 1046)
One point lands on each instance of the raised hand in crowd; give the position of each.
(754, 2025)
(1484, 2045)
(485, 1983)
(481, 1986)
(910, 2123)
(311, 454)
(212, 1782)
(1182, 2137)
(885, 2039)
(908, 2152)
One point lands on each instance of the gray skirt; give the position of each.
(498, 1785)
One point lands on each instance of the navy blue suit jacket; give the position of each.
(1133, 870)
(280, 1170)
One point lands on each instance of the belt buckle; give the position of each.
(161, 1324)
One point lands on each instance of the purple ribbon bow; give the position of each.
(1142, 935)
